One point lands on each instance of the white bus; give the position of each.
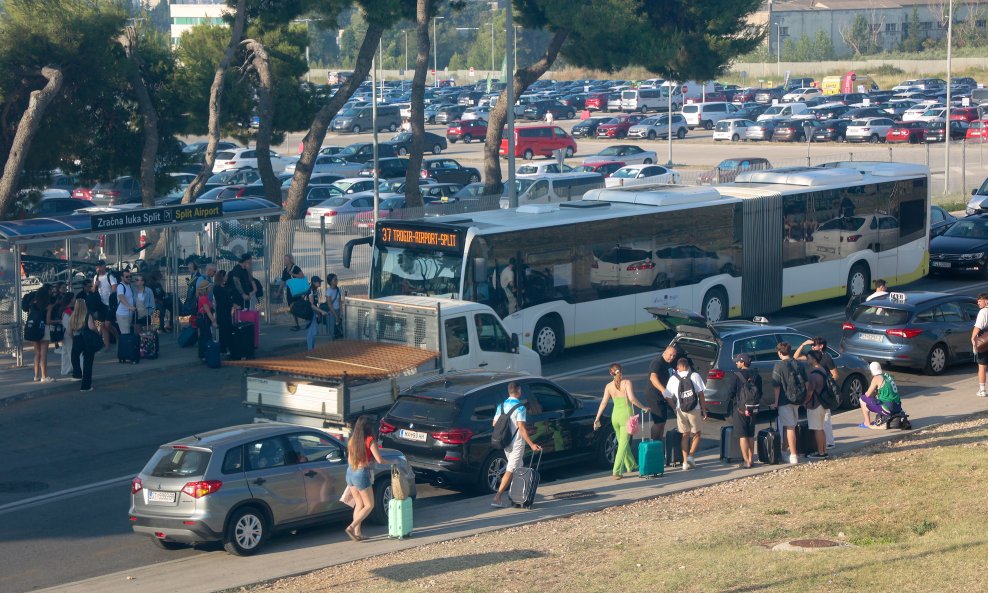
(585, 271)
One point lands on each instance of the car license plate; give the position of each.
(155, 496)
(940, 264)
(871, 337)
(412, 435)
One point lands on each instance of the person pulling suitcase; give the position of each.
(515, 415)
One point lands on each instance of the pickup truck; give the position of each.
(389, 344)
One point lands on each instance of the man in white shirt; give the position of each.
(508, 286)
(881, 290)
(516, 450)
(106, 284)
(980, 325)
(684, 391)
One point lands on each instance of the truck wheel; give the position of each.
(858, 280)
(436, 149)
(681, 133)
(735, 138)
(715, 305)
(491, 472)
(245, 532)
(356, 129)
(382, 496)
(548, 338)
(708, 125)
(852, 390)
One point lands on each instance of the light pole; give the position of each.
(946, 114)
(307, 67)
(492, 50)
(778, 49)
(406, 60)
(509, 29)
(435, 51)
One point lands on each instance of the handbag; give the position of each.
(302, 309)
(347, 497)
(56, 332)
(400, 487)
(634, 426)
(981, 342)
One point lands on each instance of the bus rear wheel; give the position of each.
(715, 305)
(548, 338)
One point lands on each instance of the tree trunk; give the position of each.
(265, 108)
(413, 194)
(26, 129)
(215, 96)
(149, 153)
(522, 79)
(295, 202)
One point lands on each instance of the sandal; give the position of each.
(352, 535)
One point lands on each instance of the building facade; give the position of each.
(186, 14)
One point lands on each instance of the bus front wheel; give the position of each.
(715, 306)
(548, 338)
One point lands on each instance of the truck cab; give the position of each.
(473, 338)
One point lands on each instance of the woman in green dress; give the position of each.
(621, 393)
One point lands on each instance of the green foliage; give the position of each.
(456, 62)
(858, 37)
(887, 70)
(823, 47)
(914, 37)
(923, 527)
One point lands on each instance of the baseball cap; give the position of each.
(745, 358)
(101, 262)
(876, 369)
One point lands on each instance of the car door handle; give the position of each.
(483, 364)
(311, 473)
(259, 481)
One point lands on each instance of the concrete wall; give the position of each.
(910, 67)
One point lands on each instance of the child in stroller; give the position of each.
(882, 399)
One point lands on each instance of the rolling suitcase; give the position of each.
(769, 446)
(213, 354)
(241, 344)
(400, 518)
(149, 342)
(730, 446)
(252, 316)
(525, 483)
(129, 345)
(187, 337)
(805, 438)
(674, 447)
(651, 453)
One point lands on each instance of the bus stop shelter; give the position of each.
(65, 249)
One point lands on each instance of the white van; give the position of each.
(559, 187)
(783, 111)
(706, 115)
(643, 99)
(681, 92)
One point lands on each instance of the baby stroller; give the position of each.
(891, 415)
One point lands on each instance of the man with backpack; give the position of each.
(105, 285)
(789, 382)
(684, 390)
(821, 398)
(745, 396)
(819, 344)
(511, 435)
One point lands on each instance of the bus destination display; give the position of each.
(401, 236)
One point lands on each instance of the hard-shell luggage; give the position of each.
(251, 316)
(150, 342)
(525, 482)
(805, 439)
(400, 518)
(129, 348)
(187, 337)
(241, 344)
(769, 445)
(730, 446)
(651, 453)
(213, 354)
(674, 447)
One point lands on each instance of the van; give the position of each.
(540, 140)
(705, 115)
(681, 92)
(848, 83)
(782, 111)
(549, 189)
(830, 85)
(359, 119)
(643, 99)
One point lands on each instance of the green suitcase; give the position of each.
(400, 518)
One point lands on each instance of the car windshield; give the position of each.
(774, 110)
(968, 229)
(729, 164)
(859, 123)
(875, 315)
(415, 271)
(169, 462)
(402, 137)
(723, 126)
(528, 170)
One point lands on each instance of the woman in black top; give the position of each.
(162, 300)
(223, 296)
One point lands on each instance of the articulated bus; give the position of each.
(574, 273)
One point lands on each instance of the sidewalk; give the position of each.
(462, 518)
(16, 383)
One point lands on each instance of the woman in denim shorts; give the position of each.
(362, 451)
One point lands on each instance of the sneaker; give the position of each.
(48, 380)
(818, 456)
(831, 445)
(86, 390)
(793, 459)
(982, 393)
(690, 462)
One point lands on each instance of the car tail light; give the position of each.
(847, 326)
(646, 265)
(455, 436)
(307, 212)
(136, 486)
(852, 238)
(715, 374)
(907, 333)
(202, 488)
(230, 163)
(386, 427)
(329, 213)
(594, 265)
(424, 174)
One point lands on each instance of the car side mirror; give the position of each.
(974, 192)
(514, 343)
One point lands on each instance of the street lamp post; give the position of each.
(435, 51)
(492, 49)
(778, 49)
(946, 114)
(406, 60)
(307, 67)
(510, 100)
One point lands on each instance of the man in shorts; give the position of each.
(744, 417)
(815, 412)
(516, 450)
(819, 344)
(980, 325)
(681, 389)
(788, 409)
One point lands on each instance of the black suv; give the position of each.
(387, 167)
(443, 426)
(537, 110)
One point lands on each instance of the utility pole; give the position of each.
(435, 51)
(510, 30)
(946, 114)
(403, 72)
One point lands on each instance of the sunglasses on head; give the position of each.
(615, 373)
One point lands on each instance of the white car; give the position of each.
(246, 158)
(916, 111)
(869, 129)
(657, 126)
(801, 94)
(534, 170)
(628, 154)
(331, 165)
(783, 111)
(933, 114)
(840, 237)
(473, 113)
(732, 129)
(625, 267)
(339, 212)
(642, 174)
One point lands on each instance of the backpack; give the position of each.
(688, 398)
(502, 435)
(27, 299)
(828, 397)
(188, 306)
(301, 308)
(34, 327)
(793, 382)
(749, 396)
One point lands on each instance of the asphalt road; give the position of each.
(67, 459)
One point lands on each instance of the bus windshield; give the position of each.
(401, 271)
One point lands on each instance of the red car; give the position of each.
(968, 114)
(906, 131)
(82, 193)
(978, 130)
(466, 130)
(709, 96)
(744, 96)
(605, 168)
(618, 126)
(596, 102)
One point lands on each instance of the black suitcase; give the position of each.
(674, 447)
(769, 446)
(241, 344)
(730, 446)
(805, 438)
(129, 348)
(525, 482)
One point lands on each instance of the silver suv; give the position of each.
(240, 484)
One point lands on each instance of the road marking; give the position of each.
(68, 493)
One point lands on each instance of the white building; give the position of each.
(186, 14)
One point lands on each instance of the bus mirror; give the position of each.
(348, 249)
(479, 269)
(514, 343)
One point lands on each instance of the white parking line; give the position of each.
(70, 492)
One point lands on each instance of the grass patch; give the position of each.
(914, 510)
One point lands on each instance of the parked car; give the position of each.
(605, 168)
(58, 206)
(231, 177)
(538, 109)
(936, 131)
(767, 95)
(466, 131)
(449, 171)
(872, 129)
(628, 153)
(831, 130)
(239, 485)
(940, 220)
(713, 346)
(979, 200)
(246, 158)
(361, 152)
(653, 173)
(386, 168)
(906, 131)
(596, 102)
(122, 190)
(339, 212)
(450, 113)
(706, 115)
(402, 143)
(657, 126)
(783, 111)
(823, 112)
(977, 130)
(840, 237)
(588, 127)
(732, 129)
(330, 165)
(967, 114)
(762, 130)
(443, 425)
(963, 247)
(929, 331)
(801, 94)
(533, 170)
(728, 169)
(356, 120)
(617, 127)
(794, 130)
(540, 140)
